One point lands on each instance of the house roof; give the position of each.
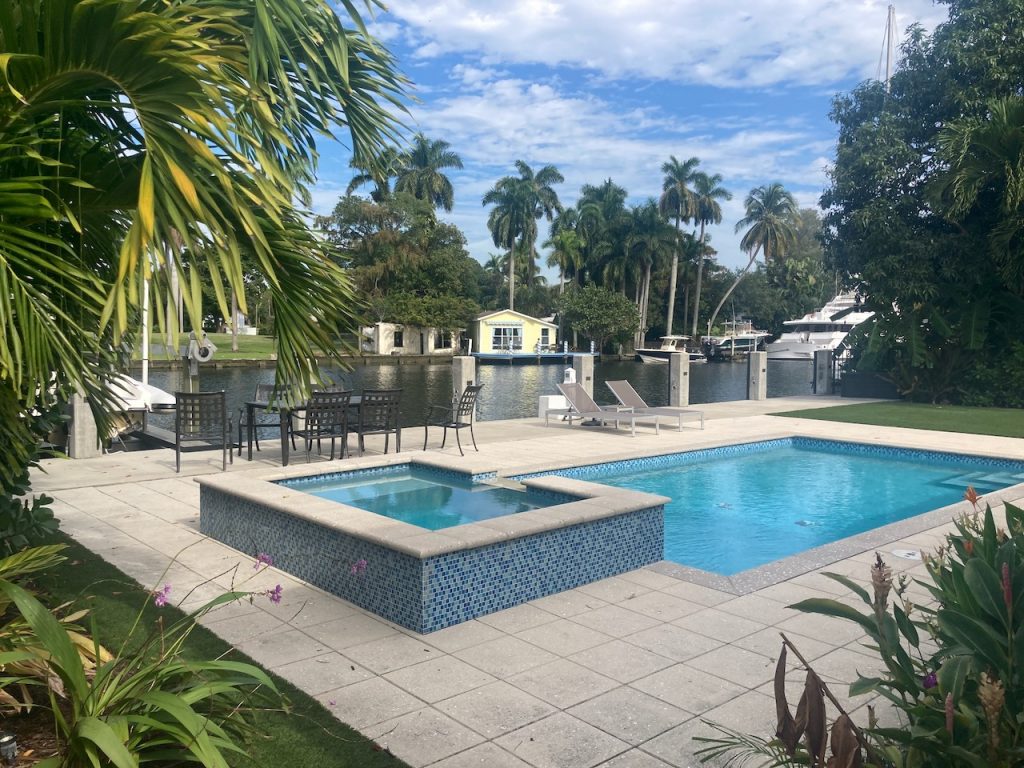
(492, 313)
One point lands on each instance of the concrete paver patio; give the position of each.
(619, 673)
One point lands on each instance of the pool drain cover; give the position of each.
(907, 554)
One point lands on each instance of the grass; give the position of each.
(308, 735)
(1002, 422)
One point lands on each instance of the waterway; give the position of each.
(510, 391)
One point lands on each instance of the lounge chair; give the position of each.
(582, 406)
(630, 399)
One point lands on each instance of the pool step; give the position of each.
(982, 481)
(503, 482)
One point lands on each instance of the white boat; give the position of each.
(740, 338)
(824, 329)
(669, 345)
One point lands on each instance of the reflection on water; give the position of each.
(511, 391)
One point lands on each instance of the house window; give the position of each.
(399, 339)
(506, 338)
(545, 338)
(443, 340)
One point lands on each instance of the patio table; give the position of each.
(251, 406)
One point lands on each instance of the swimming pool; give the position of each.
(424, 497)
(742, 506)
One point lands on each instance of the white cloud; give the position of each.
(753, 44)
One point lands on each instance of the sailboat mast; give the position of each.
(890, 34)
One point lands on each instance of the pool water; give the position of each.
(420, 497)
(744, 506)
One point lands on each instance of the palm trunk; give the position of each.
(736, 282)
(234, 321)
(512, 278)
(700, 277)
(646, 298)
(672, 278)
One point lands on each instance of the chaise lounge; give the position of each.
(630, 399)
(582, 406)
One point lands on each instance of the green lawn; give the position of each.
(249, 347)
(1003, 422)
(307, 736)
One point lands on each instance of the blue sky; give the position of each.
(611, 88)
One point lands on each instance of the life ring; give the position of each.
(203, 353)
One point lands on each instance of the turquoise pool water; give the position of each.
(743, 506)
(420, 497)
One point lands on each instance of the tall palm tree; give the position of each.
(772, 219)
(707, 191)
(603, 220)
(677, 201)
(566, 254)
(533, 194)
(134, 129)
(420, 171)
(648, 241)
(379, 171)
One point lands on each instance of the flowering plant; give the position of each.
(953, 666)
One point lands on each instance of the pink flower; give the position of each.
(161, 596)
(358, 567)
(274, 595)
(331, 702)
(263, 559)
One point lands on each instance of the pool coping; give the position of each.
(596, 502)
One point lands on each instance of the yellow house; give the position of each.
(505, 330)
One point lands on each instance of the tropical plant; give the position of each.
(677, 201)
(378, 171)
(649, 240)
(519, 201)
(142, 136)
(420, 171)
(707, 191)
(602, 224)
(771, 215)
(951, 666)
(599, 314)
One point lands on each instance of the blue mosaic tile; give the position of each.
(433, 593)
(298, 483)
(596, 471)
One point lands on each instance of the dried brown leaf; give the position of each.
(786, 729)
(846, 752)
(817, 727)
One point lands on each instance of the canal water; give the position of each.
(510, 391)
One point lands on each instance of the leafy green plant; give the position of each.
(145, 703)
(952, 667)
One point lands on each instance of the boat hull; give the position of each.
(657, 356)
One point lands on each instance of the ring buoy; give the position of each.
(203, 353)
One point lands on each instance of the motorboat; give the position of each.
(824, 329)
(740, 339)
(669, 346)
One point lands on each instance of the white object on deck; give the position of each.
(133, 395)
(551, 403)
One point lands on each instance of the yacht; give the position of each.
(740, 338)
(824, 329)
(669, 346)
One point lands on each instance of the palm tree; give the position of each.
(648, 241)
(677, 201)
(419, 171)
(707, 191)
(566, 254)
(141, 138)
(771, 217)
(532, 196)
(603, 220)
(379, 172)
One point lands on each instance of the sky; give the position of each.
(611, 88)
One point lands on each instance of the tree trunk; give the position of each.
(234, 322)
(736, 282)
(512, 278)
(672, 278)
(646, 298)
(700, 277)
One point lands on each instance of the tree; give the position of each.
(599, 314)
(603, 220)
(519, 202)
(707, 191)
(943, 308)
(377, 171)
(677, 201)
(420, 171)
(649, 240)
(771, 218)
(132, 127)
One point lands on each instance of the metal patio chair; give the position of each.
(202, 417)
(326, 417)
(457, 416)
(379, 415)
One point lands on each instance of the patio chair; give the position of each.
(630, 399)
(582, 406)
(379, 415)
(457, 416)
(202, 417)
(262, 416)
(326, 417)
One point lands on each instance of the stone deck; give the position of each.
(618, 673)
